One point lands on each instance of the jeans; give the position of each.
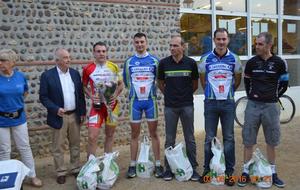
(225, 111)
(20, 135)
(186, 115)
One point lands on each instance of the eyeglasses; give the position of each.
(2, 60)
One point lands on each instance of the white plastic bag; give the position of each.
(87, 177)
(217, 163)
(12, 174)
(144, 164)
(179, 163)
(262, 172)
(109, 171)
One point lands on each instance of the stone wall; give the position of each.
(35, 28)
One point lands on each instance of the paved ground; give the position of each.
(288, 161)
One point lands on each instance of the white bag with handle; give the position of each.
(12, 174)
(87, 177)
(217, 163)
(144, 166)
(109, 170)
(179, 162)
(262, 172)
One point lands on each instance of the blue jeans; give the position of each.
(186, 115)
(225, 111)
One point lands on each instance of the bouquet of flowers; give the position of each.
(104, 90)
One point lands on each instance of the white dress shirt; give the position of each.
(68, 89)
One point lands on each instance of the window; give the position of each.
(264, 7)
(264, 25)
(199, 19)
(237, 29)
(196, 4)
(196, 31)
(294, 71)
(291, 7)
(291, 37)
(231, 5)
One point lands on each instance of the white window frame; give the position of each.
(280, 17)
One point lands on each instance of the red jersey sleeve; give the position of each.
(87, 70)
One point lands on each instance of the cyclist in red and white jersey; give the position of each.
(101, 71)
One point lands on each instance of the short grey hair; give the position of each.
(57, 53)
(268, 37)
(8, 55)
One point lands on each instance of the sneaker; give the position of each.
(276, 181)
(159, 171)
(243, 179)
(205, 178)
(229, 179)
(195, 176)
(131, 173)
(168, 175)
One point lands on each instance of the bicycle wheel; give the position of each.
(240, 107)
(287, 109)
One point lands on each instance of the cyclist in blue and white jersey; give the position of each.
(220, 75)
(139, 75)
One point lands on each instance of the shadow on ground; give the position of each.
(288, 166)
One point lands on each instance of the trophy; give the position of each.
(104, 90)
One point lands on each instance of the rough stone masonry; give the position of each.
(35, 28)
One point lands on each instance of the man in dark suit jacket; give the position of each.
(61, 92)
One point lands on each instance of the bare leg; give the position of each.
(134, 145)
(271, 154)
(109, 138)
(152, 125)
(93, 134)
(247, 153)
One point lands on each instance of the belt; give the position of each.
(69, 112)
(12, 115)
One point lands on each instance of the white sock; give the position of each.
(245, 169)
(273, 167)
(157, 163)
(132, 163)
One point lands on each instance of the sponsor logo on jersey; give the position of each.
(220, 67)
(142, 69)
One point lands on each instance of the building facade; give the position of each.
(35, 28)
(244, 19)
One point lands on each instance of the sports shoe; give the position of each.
(159, 171)
(276, 181)
(205, 178)
(229, 179)
(244, 179)
(168, 175)
(195, 176)
(131, 173)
